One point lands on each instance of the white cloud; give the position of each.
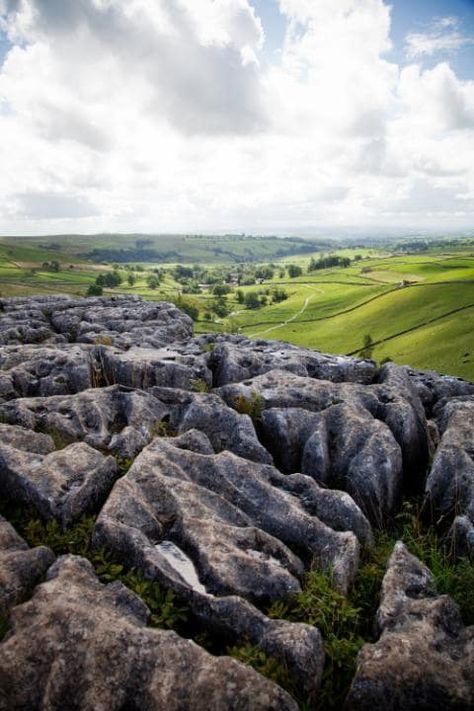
(154, 115)
(443, 36)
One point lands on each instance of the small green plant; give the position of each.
(320, 604)
(200, 385)
(123, 464)
(162, 429)
(252, 407)
(208, 347)
(165, 610)
(270, 667)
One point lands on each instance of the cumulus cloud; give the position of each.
(156, 115)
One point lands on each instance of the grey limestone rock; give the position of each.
(146, 367)
(123, 321)
(236, 358)
(30, 371)
(342, 447)
(80, 644)
(64, 484)
(399, 409)
(424, 657)
(449, 488)
(21, 567)
(115, 419)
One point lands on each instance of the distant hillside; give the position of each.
(172, 248)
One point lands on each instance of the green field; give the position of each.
(417, 308)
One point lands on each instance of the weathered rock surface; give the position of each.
(123, 321)
(213, 527)
(21, 567)
(79, 644)
(450, 484)
(237, 358)
(64, 485)
(146, 367)
(116, 419)
(225, 509)
(30, 371)
(425, 656)
(342, 447)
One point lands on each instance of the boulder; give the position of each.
(449, 487)
(342, 447)
(21, 567)
(30, 371)
(146, 367)
(83, 644)
(64, 485)
(398, 408)
(424, 657)
(114, 419)
(236, 358)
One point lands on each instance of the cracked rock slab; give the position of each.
(64, 484)
(424, 657)
(342, 447)
(393, 402)
(219, 531)
(449, 490)
(21, 567)
(78, 639)
(115, 419)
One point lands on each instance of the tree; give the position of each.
(131, 279)
(252, 301)
(152, 281)
(94, 290)
(294, 271)
(221, 289)
(240, 296)
(367, 350)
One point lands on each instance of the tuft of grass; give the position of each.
(200, 385)
(320, 604)
(251, 655)
(123, 464)
(252, 407)
(163, 429)
(166, 611)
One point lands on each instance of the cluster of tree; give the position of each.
(332, 260)
(52, 266)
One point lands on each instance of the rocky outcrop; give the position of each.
(450, 484)
(79, 643)
(146, 367)
(123, 321)
(21, 567)
(30, 371)
(424, 657)
(236, 358)
(116, 419)
(342, 447)
(64, 485)
(222, 468)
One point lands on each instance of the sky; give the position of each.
(258, 116)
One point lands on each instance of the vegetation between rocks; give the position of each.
(346, 623)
